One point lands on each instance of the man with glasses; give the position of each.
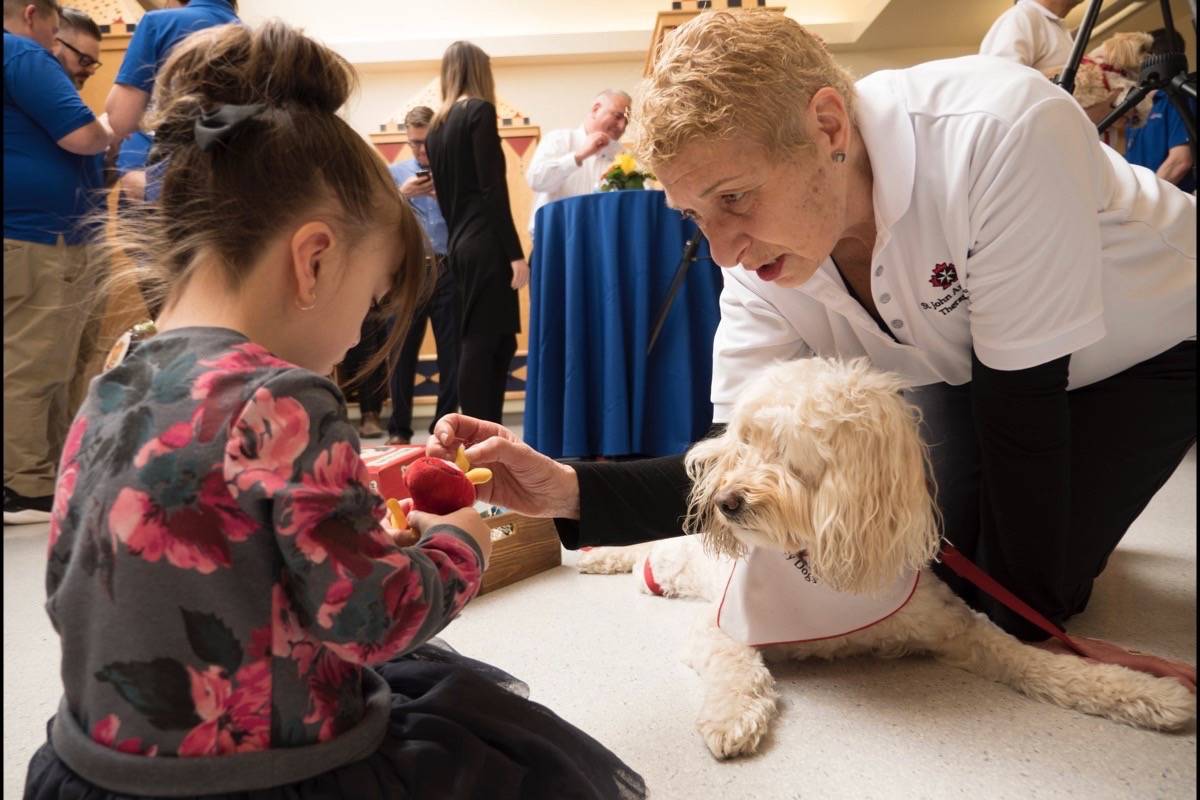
(51, 139)
(77, 46)
(416, 184)
(571, 161)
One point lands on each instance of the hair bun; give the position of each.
(288, 68)
(274, 65)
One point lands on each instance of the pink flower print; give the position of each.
(326, 683)
(219, 390)
(235, 364)
(236, 715)
(191, 536)
(312, 514)
(336, 598)
(62, 500)
(267, 439)
(288, 637)
(74, 440)
(260, 643)
(454, 559)
(404, 600)
(176, 437)
(105, 732)
(68, 474)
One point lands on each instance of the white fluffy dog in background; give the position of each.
(823, 460)
(1116, 66)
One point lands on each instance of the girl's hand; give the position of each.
(398, 510)
(523, 479)
(465, 519)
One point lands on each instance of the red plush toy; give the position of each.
(440, 487)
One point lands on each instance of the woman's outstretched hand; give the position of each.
(523, 479)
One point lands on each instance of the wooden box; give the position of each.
(521, 546)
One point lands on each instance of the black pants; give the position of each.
(1128, 435)
(483, 374)
(443, 310)
(372, 389)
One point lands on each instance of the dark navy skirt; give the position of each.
(459, 728)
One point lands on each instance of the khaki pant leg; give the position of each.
(42, 323)
(91, 349)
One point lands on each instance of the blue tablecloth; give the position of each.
(602, 264)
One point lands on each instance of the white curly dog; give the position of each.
(822, 460)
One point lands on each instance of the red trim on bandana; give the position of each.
(911, 592)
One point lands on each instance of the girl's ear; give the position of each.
(308, 245)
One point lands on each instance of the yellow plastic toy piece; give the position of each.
(399, 518)
(477, 475)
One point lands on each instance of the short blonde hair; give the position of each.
(727, 72)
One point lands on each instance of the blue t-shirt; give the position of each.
(1164, 129)
(134, 152)
(46, 189)
(426, 206)
(159, 31)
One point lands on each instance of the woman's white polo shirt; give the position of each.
(1003, 224)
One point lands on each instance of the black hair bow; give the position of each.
(217, 125)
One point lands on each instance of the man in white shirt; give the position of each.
(571, 161)
(1033, 33)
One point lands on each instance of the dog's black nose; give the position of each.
(730, 504)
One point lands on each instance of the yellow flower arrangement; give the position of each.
(624, 174)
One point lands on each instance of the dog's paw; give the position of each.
(734, 725)
(605, 560)
(1164, 704)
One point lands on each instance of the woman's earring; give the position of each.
(308, 307)
(838, 157)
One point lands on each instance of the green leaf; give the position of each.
(159, 690)
(212, 641)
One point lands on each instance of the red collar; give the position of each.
(1103, 69)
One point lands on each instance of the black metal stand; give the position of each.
(685, 263)
(1166, 72)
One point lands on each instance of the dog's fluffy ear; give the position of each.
(1125, 50)
(872, 514)
(702, 517)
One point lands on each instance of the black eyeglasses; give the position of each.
(85, 61)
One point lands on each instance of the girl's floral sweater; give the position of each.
(217, 571)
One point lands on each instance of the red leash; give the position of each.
(965, 569)
(648, 577)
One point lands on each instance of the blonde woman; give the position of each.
(958, 223)
(485, 255)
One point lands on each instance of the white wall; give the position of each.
(557, 95)
(552, 95)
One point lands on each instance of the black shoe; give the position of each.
(21, 510)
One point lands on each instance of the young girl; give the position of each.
(234, 619)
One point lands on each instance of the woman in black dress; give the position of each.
(485, 255)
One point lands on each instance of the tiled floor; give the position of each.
(606, 658)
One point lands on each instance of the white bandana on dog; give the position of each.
(773, 598)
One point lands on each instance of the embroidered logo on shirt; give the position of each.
(944, 274)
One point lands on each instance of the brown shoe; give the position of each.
(397, 440)
(370, 427)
